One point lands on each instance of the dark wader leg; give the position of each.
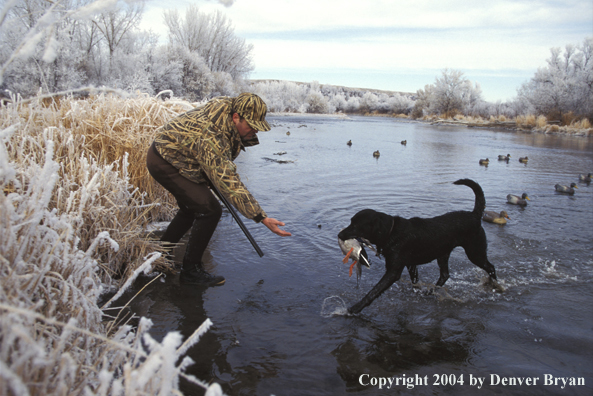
(199, 210)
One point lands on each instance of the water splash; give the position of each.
(332, 306)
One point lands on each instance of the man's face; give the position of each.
(245, 131)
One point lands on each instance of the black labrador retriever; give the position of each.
(415, 241)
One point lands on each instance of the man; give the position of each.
(197, 148)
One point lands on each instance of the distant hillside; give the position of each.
(350, 90)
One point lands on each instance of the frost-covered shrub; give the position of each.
(68, 224)
(317, 103)
(564, 85)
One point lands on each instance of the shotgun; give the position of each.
(237, 219)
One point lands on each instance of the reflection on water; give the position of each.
(270, 333)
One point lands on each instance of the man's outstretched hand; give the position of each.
(274, 225)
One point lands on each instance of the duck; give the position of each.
(585, 178)
(566, 189)
(484, 161)
(518, 200)
(288, 133)
(504, 157)
(349, 143)
(523, 160)
(376, 154)
(496, 218)
(404, 142)
(354, 250)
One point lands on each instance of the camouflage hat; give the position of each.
(253, 109)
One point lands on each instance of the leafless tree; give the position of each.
(118, 23)
(565, 85)
(211, 36)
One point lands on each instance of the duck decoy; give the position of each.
(496, 218)
(404, 142)
(523, 160)
(354, 250)
(518, 200)
(504, 157)
(566, 189)
(349, 143)
(585, 178)
(484, 161)
(376, 154)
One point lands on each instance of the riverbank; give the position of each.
(529, 123)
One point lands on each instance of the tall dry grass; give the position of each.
(75, 200)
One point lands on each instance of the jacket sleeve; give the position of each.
(216, 163)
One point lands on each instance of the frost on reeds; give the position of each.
(540, 124)
(73, 209)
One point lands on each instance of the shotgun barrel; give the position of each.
(237, 219)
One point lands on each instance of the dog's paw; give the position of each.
(493, 284)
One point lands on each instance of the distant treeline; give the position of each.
(560, 91)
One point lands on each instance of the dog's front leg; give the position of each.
(392, 275)
(443, 269)
(413, 271)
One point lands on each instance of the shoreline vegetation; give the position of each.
(529, 123)
(74, 209)
(76, 199)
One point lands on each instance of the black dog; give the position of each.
(415, 241)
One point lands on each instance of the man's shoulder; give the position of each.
(218, 109)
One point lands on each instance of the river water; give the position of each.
(277, 323)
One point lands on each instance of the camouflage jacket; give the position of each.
(202, 144)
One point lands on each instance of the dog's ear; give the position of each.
(382, 227)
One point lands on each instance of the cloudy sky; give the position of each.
(398, 45)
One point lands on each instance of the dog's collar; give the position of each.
(380, 248)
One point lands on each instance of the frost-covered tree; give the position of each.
(369, 102)
(338, 102)
(118, 22)
(211, 36)
(196, 79)
(282, 96)
(36, 48)
(565, 85)
(225, 85)
(129, 64)
(451, 93)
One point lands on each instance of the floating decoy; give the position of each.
(496, 218)
(484, 161)
(585, 178)
(518, 200)
(504, 157)
(404, 142)
(523, 160)
(566, 189)
(376, 154)
(354, 249)
(349, 143)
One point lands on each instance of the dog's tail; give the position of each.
(480, 200)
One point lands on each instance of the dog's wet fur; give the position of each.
(415, 241)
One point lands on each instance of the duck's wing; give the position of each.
(366, 243)
(364, 257)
